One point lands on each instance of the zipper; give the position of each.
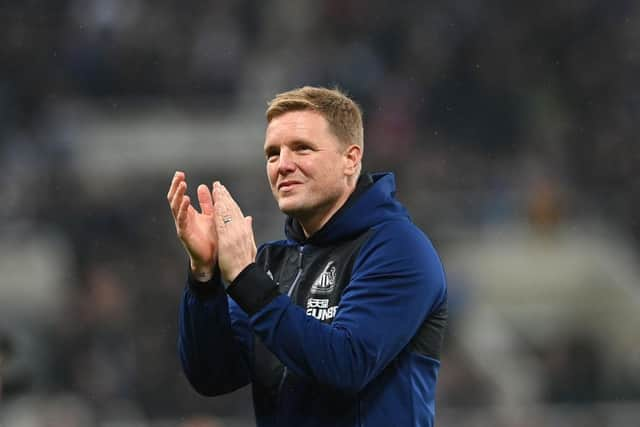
(299, 273)
(290, 293)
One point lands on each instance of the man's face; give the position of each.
(306, 165)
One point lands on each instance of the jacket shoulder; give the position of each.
(398, 247)
(403, 235)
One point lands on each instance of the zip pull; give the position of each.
(300, 254)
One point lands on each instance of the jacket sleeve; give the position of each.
(214, 341)
(397, 280)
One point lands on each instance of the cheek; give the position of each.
(331, 169)
(271, 174)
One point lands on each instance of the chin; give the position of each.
(289, 207)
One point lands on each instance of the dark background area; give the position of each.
(511, 128)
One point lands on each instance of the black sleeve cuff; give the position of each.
(252, 289)
(206, 290)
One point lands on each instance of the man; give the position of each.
(340, 324)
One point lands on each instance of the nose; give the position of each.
(286, 163)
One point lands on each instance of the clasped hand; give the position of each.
(219, 233)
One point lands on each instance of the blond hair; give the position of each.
(343, 115)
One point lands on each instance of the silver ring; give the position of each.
(226, 219)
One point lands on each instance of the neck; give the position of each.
(313, 223)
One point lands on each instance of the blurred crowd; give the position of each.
(510, 129)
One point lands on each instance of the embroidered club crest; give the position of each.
(326, 281)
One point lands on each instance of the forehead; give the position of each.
(297, 125)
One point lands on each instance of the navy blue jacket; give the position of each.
(341, 329)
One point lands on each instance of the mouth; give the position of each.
(285, 185)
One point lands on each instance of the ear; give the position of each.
(353, 159)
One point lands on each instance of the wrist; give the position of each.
(200, 272)
(233, 273)
(206, 290)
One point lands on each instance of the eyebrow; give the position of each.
(269, 148)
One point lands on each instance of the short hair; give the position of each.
(342, 113)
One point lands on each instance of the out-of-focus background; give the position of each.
(512, 130)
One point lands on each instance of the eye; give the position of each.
(272, 154)
(302, 148)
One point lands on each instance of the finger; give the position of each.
(177, 178)
(181, 217)
(205, 200)
(216, 192)
(222, 220)
(233, 207)
(219, 207)
(178, 197)
(220, 202)
(249, 221)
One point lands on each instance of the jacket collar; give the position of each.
(371, 202)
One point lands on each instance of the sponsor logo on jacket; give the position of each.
(319, 308)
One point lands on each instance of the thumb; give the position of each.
(249, 221)
(205, 200)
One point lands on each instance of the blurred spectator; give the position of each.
(554, 303)
(6, 350)
(101, 337)
(201, 421)
(64, 410)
